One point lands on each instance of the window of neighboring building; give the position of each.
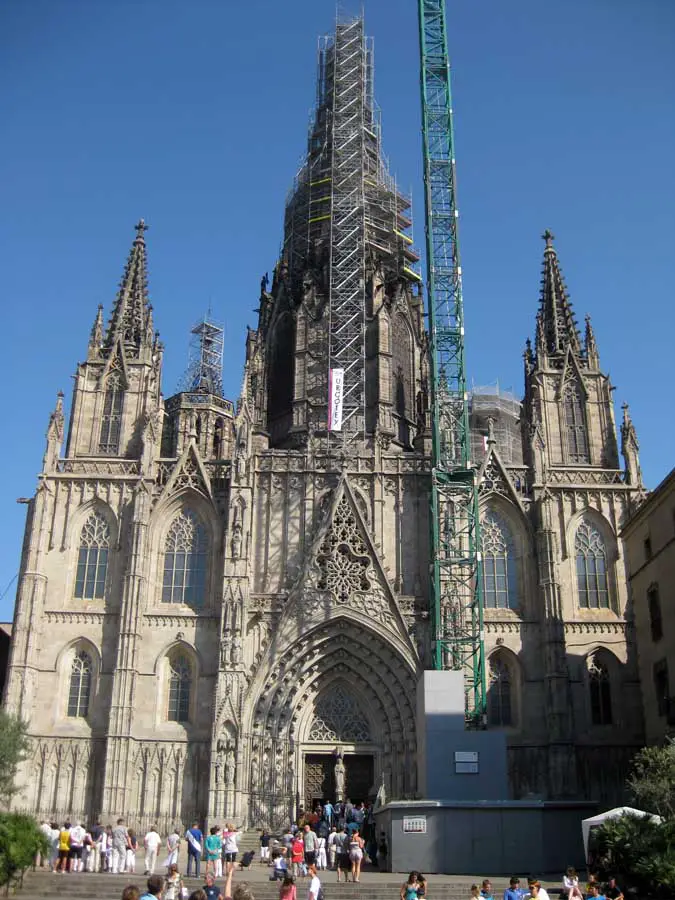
(591, 559)
(500, 568)
(647, 543)
(500, 693)
(575, 424)
(92, 558)
(655, 620)
(185, 550)
(661, 687)
(111, 420)
(600, 691)
(80, 686)
(180, 685)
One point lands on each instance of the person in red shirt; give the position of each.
(297, 854)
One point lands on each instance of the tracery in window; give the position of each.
(500, 567)
(575, 424)
(343, 557)
(500, 688)
(111, 420)
(339, 718)
(600, 691)
(185, 553)
(80, 686)
(180, 686)
(591, 560)
(92, 558)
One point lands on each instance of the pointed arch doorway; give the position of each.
(340, 724)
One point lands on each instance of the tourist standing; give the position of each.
(321, 861)
(214, 846)
(194, 838)
(77, 835)
(173, 884)
(94, 859)
(356, 855)
(612, 890)
(342, 863)
(172, 848)
(120, 842)
(230, 839)
(309, 839)
(64, 848)
(151, 842)
(265, 846)
(314, 890)
(513, 891)
(486, 889)
(132, 847)
(297, 855)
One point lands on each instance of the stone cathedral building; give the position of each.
(214, 596)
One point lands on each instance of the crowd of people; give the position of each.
(338, 836)
(569, 890)
(74, 848)
(172, 888)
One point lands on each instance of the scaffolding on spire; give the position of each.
(204, 374)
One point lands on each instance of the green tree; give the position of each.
(639, 852)
(651, 782)
(14, 746)
(20, 841)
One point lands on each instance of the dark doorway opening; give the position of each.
(320, 777)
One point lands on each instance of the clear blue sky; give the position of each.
(194, 114)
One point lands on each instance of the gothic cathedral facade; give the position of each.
(214, 596)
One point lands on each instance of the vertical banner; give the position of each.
(336, 383)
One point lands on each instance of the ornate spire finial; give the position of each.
(549, 237)
(555, 309)
(141, 228)
(630, 449)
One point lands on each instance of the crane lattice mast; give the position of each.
(456, 571)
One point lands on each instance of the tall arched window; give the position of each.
(591, 557)
(92, 558)
(111, 421)
(500, 572)
(601, 692)
(180, 685)
(185, 552)
(575, 424)
(402, 376)
(500, 690)
(80, 686)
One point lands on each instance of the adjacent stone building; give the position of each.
(215, 595)
(649, 539)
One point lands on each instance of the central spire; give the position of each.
(345, 217)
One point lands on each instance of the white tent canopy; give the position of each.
(594, 821)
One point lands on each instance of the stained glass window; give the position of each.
(111, 420)
(591, 559)
(92, 558)
(601, 692)
(577, 437)
(80, 686)
(500, 705)
(500, 571)
(185, 552)
(180, 685)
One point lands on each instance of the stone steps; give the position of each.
(41, 885)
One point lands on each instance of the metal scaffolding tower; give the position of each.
(456, 572)
(204, 373)
(343, 207)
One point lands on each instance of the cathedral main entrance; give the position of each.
(319, 777)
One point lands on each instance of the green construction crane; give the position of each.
(456, 571)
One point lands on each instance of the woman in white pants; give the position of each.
(321, 861)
